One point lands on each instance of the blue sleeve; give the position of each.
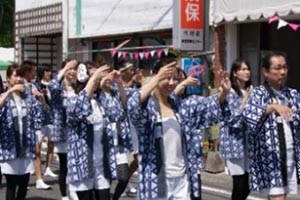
(37, 114)
(202, 112)
(254, 110)
(55, 88)
(234, 104)
(138, 113)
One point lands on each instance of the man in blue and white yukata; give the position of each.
(272, 114)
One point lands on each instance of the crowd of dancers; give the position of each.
(95, 115)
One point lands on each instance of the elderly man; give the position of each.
(272, 114)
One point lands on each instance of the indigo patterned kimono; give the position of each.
(264, 151)
(233, 134)
(117, 117)
(193, 114)
(10, 147)
(58, 99)
(47, 114)
(80, 164)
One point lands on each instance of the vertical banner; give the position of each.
(194, 67)
(188, 25)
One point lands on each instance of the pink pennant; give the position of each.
(146, 54)
(294, 26)
(113, 53)
(136, 55)
(159, 52)
(124, 55)
(273, 19)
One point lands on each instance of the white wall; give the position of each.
(29, 4)
(107, 17)
(231, 44)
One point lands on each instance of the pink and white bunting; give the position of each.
(140, 55)
(282, 23)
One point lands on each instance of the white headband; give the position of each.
(126, 67)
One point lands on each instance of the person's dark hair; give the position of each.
(15, 67)
(100, 60)
(63, 64)
(161, 63)
(1, 85)
(90, 65)
(28, 65)
(121, 64)
(183, 76)
(41, 70)
(266, 60)
(236, 65)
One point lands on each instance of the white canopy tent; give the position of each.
(241, 10)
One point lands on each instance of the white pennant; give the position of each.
(131, 55)
(152, 53)
(281, 23)
(119, 54)
(166, 51)
(141, 55)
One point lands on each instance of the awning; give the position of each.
(241, 10)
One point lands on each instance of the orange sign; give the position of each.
(192, 14)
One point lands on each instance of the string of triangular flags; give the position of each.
(283, 23)
(136, 55)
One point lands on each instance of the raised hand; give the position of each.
(70, 65)
(101, 72)
(225, 85)
(189, 81)
(36, 93)
(18, 88)
(93, 83)
(166, 71)
(117, 77)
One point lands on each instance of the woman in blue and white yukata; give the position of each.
(20, 115)
(91, 155)
(61, 87)
(233, 135)
(166, 127)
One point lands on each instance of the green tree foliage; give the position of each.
(7, 8)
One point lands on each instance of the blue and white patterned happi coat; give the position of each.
(47, 114)
(7, 132)
(263, 139)
(78, 109)
(194, 114)
(59, 118)
(117, 116)
(233, 134)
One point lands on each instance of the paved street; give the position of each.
(215, 187)
(52, 194)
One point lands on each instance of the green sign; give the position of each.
(4, 65)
